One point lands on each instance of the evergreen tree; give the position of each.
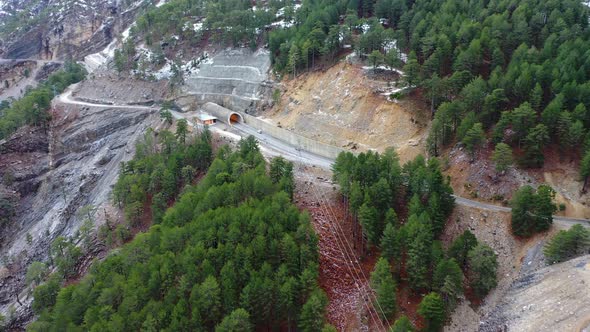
(447, 279)
(384, 287)
(532, 211)
(294, 59)
(474, 138)
(432, 309)
(568, 244)
(412, 70)
(390, 246)
(483, 266)
(375, 58)
(585, 169)
(461, 246)
(313, 312)
(181, 131)
(370, 222)
(419, 259)
(402, 324)
(502, 156)
(237, 321)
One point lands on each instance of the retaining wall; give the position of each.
(307, 144)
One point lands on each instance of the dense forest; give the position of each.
(517, 73)
(403, 212)
(233, 254)
(235, 22)
(33, 108)
(517, 70)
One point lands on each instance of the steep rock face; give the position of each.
(28, 46)
(56, 172)
(64, 29)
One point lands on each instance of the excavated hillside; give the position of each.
(55, 172)
(234, 78)
(555, 298)
(477, 178)
(345, 106)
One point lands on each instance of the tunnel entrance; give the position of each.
(235, 118)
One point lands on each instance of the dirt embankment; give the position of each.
(555, 298)
(477, 179)
(109, 88)
(345, 107)
(514, 257)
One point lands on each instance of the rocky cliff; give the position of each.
(62, 29)
(55, 171)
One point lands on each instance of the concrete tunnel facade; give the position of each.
(224, 115)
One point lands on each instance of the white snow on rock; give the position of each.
(94, 61)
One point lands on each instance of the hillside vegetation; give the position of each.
(33, 108)
(519, 71)
(403, 211)
(233, 254)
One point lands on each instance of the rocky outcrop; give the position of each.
(69, 29)
(28, 46)
(56, 172)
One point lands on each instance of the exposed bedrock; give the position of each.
(72, 164)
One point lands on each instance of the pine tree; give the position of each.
(209, 300)
(294, 59)
(483, 266)
(447, 279)
(502, 157)
(432, 309)
(419, 258)
(181, 131)
(237, 321)
(585, 169)
(375, 58)
(313, 312)
(536, 97)
(402, 324)
(159, 206)
(532, 211)
(390, 246)
(370, 223)
(535, 141)
(384, 287)
(474, 138)
(412, 70)
(568, 244)
(563, 127)
(461, 246)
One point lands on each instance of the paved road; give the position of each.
(275, 147)
(565, 221)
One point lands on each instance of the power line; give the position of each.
(348, 248)
(345, 252)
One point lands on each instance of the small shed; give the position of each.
(206, 119)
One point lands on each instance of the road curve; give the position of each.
(565, 221)
(66, 98)
(275, 147)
